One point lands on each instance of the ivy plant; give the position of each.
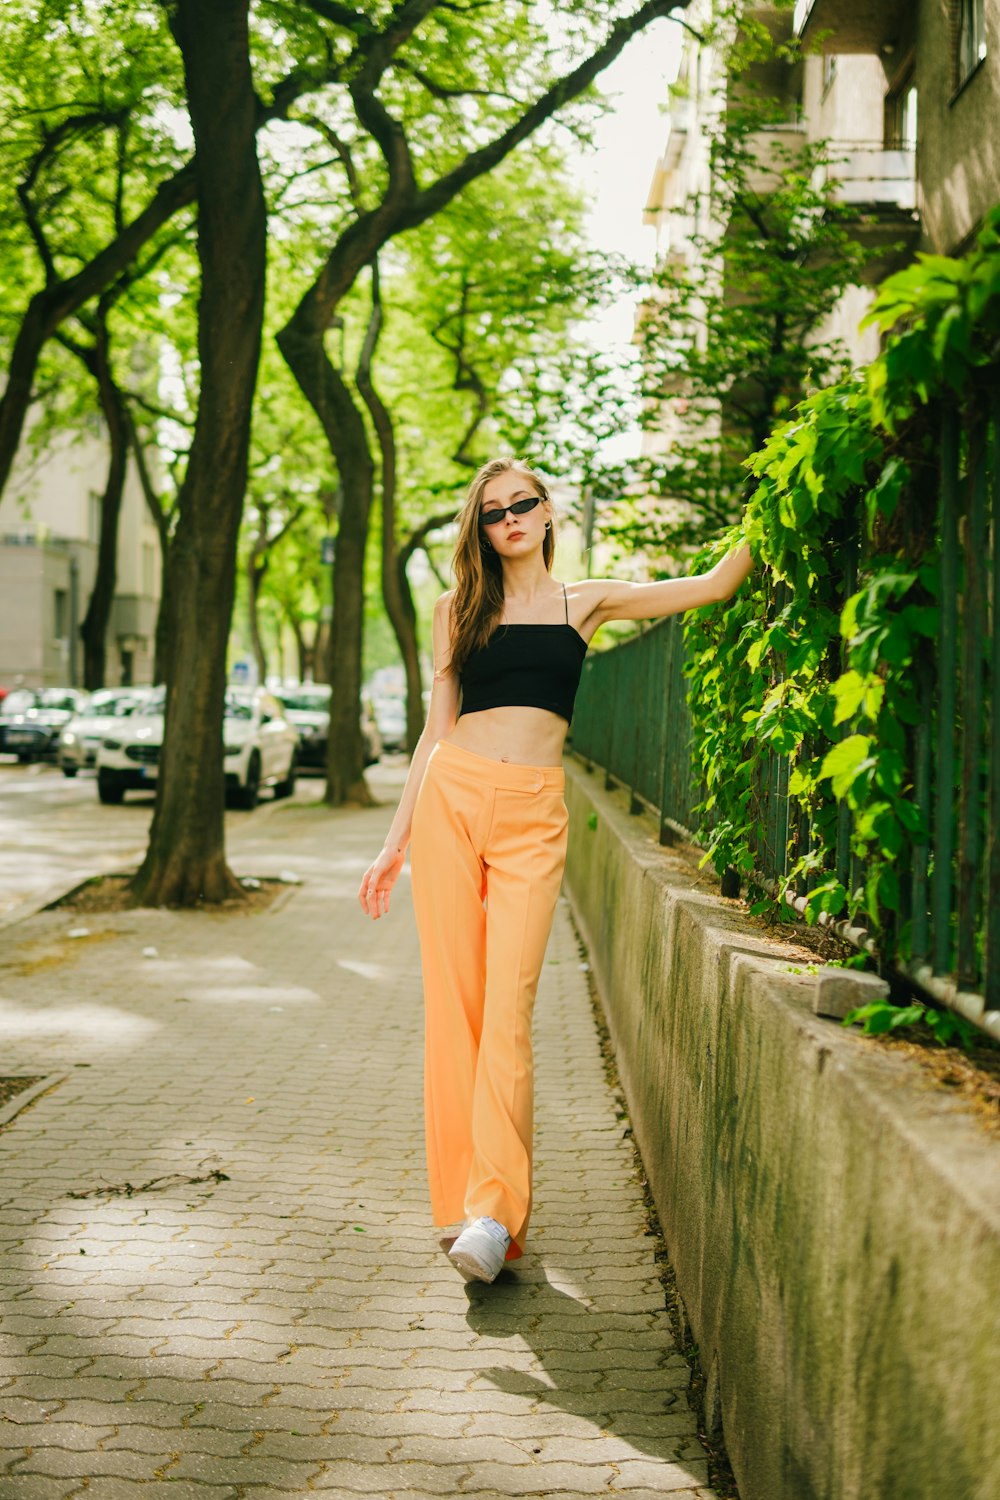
(819, 659)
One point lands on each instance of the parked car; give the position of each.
(370, 733)
(307, 705)
(33, 720)
(80, 739)
(16, 702)
(390, 715)
(261, 749)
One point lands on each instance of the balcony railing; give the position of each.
(875, 177)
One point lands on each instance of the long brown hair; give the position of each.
(478, 602)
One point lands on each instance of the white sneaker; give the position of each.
(480, 1251)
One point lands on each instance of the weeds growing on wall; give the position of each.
(819, 658)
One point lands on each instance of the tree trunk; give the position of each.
(257, 565)
(161, 520)
(321, 653)
(410, 643)
(94, 630)
(305, 650)
(409, 648)
(404, 205)
(161, 638)
(345, 757)
(302, 654)
(328, 394)
(395, 587)
(185, 862)
(255, 574)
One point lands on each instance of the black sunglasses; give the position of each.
(519, 508)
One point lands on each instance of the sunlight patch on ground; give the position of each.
(238, 994)
(87, 1023)
(367, 971)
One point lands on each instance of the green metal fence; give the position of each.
(632, 719)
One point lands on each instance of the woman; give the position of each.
(483, 805)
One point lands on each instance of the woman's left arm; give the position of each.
(614, 600)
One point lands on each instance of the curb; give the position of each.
(14, 1106)
(38, 903)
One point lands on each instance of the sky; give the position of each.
(617, 175)
(630, 141)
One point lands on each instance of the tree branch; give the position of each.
(417, 538)
(343, 151)
(60, 299)
(385, 129)
(442, 91)
(120, 168)
(381, 47)
(51, 144)
(264, 542)
(162, 413)
(159, 512)
(403, 207)
(561, 92)
(341, 15)
(467, 378)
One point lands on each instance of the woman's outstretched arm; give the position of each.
(382, 874)
(615, 600)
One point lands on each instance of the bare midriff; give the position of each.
(521, 736)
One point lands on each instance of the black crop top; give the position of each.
(530, 666)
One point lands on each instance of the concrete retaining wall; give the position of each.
(833, 1218)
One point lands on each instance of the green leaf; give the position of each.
(756, 651)
(844, 762)
(849, 693)
(800, 783)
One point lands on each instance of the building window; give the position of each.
(829, 71)
(971, 37)
(901, 116)
(61, 615)
(93, 516)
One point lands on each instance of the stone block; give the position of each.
(838, 991)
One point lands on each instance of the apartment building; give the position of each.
(934, 71)
(680, 195)
(49, 530)
(907, 92)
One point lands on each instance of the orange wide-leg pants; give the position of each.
(488, 844)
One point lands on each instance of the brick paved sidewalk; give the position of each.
(295, 1326)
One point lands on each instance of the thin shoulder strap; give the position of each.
(565, 603)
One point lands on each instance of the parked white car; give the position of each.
(307, 705)
(261, 745)
(390, 716)
(261, 749)
(32, 721)
(81, 738)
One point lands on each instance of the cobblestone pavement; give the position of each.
(219, 1272)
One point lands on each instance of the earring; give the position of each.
(548, 526)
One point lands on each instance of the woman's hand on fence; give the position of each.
(378, 880)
